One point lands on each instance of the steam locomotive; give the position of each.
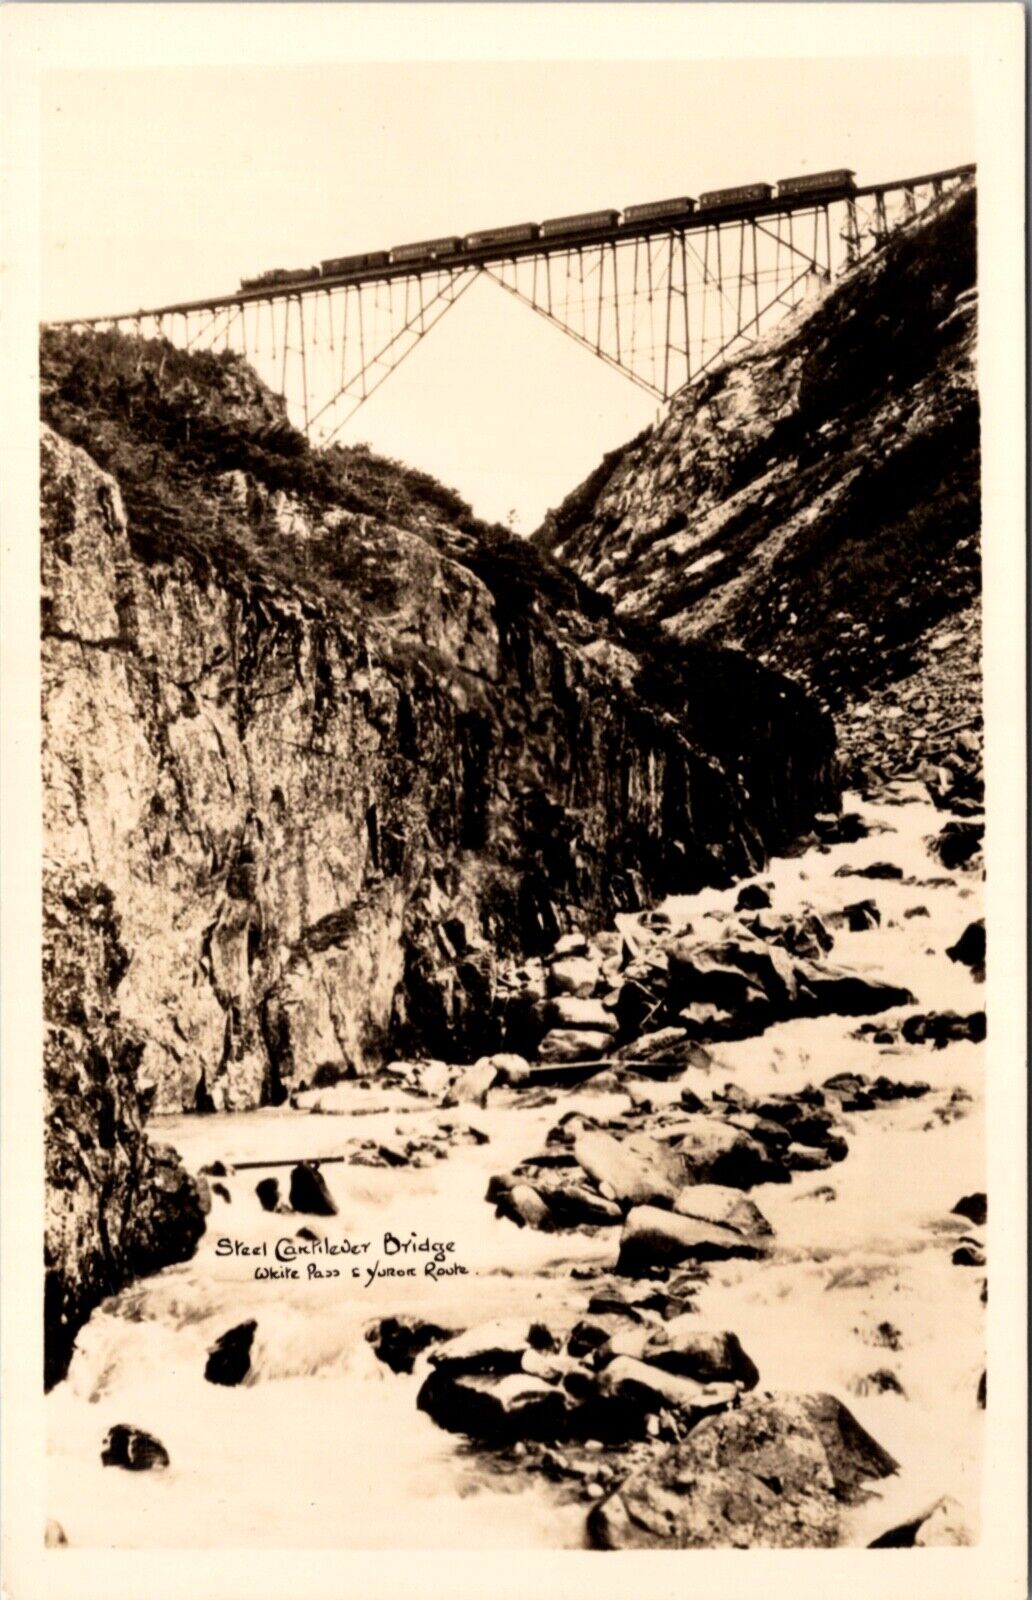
(818, 186)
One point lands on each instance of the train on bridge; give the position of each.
(818, 187)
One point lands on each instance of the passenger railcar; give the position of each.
(840, 181)
(746, 194)
(583, 222)
(652, 210)
(340, 266)
(519, 233)
(425, 250)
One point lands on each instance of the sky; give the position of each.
(166, 184)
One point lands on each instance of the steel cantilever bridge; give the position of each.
(661, 292)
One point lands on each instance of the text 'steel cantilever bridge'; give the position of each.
(661, 291)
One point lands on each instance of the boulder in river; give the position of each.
(399, 1340)
(575, 975)
(748, 982)
(704, 1021)
(680, 1346)
(562, 1045)
(229, 1359)
(847, 994)
(308, 1191)
(646, 1387)
(572, 1204)
(804, 935)
(545, 1197)
(752, 897)
(807, 1158)
(493, 1347)
(268, 1192)
(133, 1449)
(638, 1170)
(652, 1238)
(957, 844)
(844, 829)
(521, 1203)
(471, 1083)
(717, 1152)
(769, 1473)
(861, 915)
(974, 1207)
(944, 1027)
(567, 1011)
(658, 1042)
(969, 949)
(494, 1408)
(744, 975)
(878, 870)
(510, 1068)
(854, 1457)
(727, 1207)
(755, 1476)
(941, 1523)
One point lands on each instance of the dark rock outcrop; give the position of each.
(117, 1206)
(941, 1028)
(974, 1207)
(399, 1340)
(970, 948)
(308, 1191)
(958, 843)
(495, 1409)
(133, 1449)
(229, 1359)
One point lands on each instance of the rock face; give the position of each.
(313, 754)
(117, 1206)
(815, 501)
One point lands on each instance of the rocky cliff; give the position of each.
(322, 807)
(118, 1206)
(318, 749)
(815, 501)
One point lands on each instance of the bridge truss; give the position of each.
(661, 304)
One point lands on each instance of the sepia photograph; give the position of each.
(513, 1062)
